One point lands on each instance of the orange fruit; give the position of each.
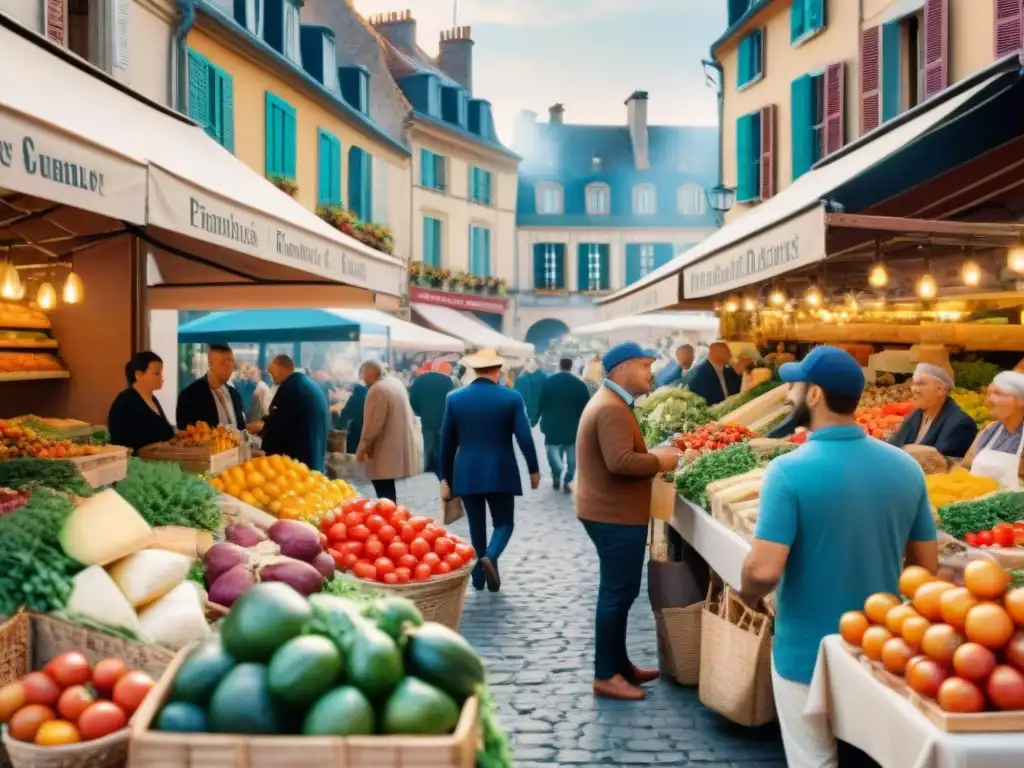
(989, 625)
(913, 630)
(852, 626)
(1014, 604)
(986, 579)
(913, 577)
(877, 607)
(873, 641)
(927, 599)
(940, 642)
(954, 605)
(894, 618)
(895, 655)
(57, 732)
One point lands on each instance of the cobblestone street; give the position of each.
(536, 635)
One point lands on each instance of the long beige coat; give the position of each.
(389, 433)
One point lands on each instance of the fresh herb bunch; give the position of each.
(197, 573)
(773, 454)
(981, 514)
(340, 586)
(34, 571)
(56, 474)
(495, 751)
(973, 373)
(692, 481)
(165, 495)
(1016, 578)
(733, 402)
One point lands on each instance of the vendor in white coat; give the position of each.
(996, 452)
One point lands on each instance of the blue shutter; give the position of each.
(198, 88)
(797, 23)
(368, 187)
(604, 251)
(429, 255)
(746, 177)
(744, 75)
(560, 266)
(802, 124)
(814, 14)
(427, 178)
(227, 106)
(538, 265)
(290, 143)
(662, 254)
(356, 161)
(329, 162)
(488, 176)
(632, 263)
(270, 139)
(891, 87)
(583, 267)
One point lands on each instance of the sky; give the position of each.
(590, 55)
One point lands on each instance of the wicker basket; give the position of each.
(109, 752)
(679, 631)
(15, 645)
(439, 599)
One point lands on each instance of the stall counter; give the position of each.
(722, 548)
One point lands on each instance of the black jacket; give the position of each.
(196, 403)
(351, 417)
(562, 400)
(951, 434)
(133, 423)
(298, 422)
(703, 381)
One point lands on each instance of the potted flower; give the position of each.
(415, 269)
(461, 282)
(446, 280)
(502, 286)
(286, 185)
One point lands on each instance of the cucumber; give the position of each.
(200, 673)
(343, 711)
(303, 669)
(374, 663)
(242, 703)
(263, 619)
(419, 708)
(442, 657)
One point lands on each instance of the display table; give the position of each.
(876, 719)
(722, 548)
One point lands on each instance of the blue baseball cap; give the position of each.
(627, 350)
(830, 368)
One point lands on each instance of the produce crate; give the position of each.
(194, 460)
(105, 468)
(152, 749)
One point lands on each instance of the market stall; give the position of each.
(473, 331)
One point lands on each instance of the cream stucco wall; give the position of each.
(27, 12)
(254, 75)
(150, 48)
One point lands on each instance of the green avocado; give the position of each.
(304, 668)
(343, 711)
(262, 620)
(181, 717)
(374, 663)
(419, 708)
(200, 673)
(242, 703)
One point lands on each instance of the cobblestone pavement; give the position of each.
(536, 638)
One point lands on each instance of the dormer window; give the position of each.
(331, 66)
(598, 199)
(645, 200)
(249, 13)
(292, 32)
(455, 106)
(691, 200)
(549, 198)
(320, 56)
(355, 87)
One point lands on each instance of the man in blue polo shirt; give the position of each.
(837, 517)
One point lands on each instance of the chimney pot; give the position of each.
(456, 56)
(555, 114)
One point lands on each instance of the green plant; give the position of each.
(286, 185)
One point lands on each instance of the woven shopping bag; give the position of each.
(452, 511)
(735, 660)
(679, 639)
(663, 499)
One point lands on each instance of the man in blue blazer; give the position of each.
(478, 459)
(713, 378)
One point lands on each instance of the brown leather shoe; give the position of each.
(491, 577)
(640, 676)
(618, 688)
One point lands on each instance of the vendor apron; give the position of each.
(1000, 466)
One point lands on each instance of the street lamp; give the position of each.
(721, 198)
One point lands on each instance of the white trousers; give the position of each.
(808, 741)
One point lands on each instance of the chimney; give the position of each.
(555, 114)
(398, 28)
(456, 56)
(524, 138)
(636, 119)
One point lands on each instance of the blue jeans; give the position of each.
(556, 455)
(502, 517)
(620, 550)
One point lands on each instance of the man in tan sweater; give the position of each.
(613, 500)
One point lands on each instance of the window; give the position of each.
(211, 100)
(806, 19)
(645, 200)
(432, 170)
(433, 96)
(280, 138)
(479, 185)
(751, 59)
(360, 183)
(480, 251)
(329, 162)
(549, 266)
(253, 21)
(432, 253)
(355, 88)
(691, 200)
(549, 198)
(755, 155)
(816, 119)
(644, 258)
(592, 267)
(292, 32)
(737, 8)
(598, 199)
(331, 67)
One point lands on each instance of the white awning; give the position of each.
(403, 334)
(473, 331)
(70, 135)
(759, 244)
(661, 321)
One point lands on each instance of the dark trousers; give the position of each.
(385, 489)
(502, 507)
(620, 550)
(432, 451)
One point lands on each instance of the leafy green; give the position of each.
(165, 495)
(973, 373)
(340, 586)
(773, 454)
(197, 573)
(668, 411)
(692, 481)
(83, 435)
(56, 474)
(495, 751)
(1016, 577)
(962, 517)
(733, 402)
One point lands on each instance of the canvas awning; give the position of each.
(694, 322)
(379, 329)
(272, 326)
(88, 142)
(474, 332)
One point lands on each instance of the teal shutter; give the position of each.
(368, 187)
(431, 242)
(560, 266)
(632, 263)
(427, 177)
(329, 162)
(891, 88)
(802, 124)
(583, 267)
(745, 74)
(227, 108)
(662, 254)
(472, 182)
(606, 267)
(814, 14)
(198, 88)
(290, 143)
(797, 25)
(356, 161)
(270, 140)
(440, 177)
(746, 177)
(538, 265)
(488, 176)
(280, 137)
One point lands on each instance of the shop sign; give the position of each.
(464, 301)
(56, 21)
(787, 246)
(36, 161)
(658, 295)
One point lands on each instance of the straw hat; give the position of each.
(485, 358)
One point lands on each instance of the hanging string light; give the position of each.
(749, 305)
(813, 295)
(970, 273)
(73, 291)
(927, 287)
(777, 297)
(10, 282)
(878, 277)
(46, 296)
(1015, 258)
(731, 305)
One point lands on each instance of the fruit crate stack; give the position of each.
(197, 460)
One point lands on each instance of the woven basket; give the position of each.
(439, 599)
(109, 752)
(15, 646)
(679, 629)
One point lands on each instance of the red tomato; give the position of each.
(131, 688)
(330, 518)
(985, 538)
(352, 519)
(352, 548)
(397, 549)
(419, 523)
(383, 565)
(359, 505)
(403, 574)
(364, 569)
(418, 548)
(1018, 537)
(100, 719)
(106, 673)
(338, 532)
(431, 534)
(359, 533)
(408, 561)
(422, 572)
(70, 668)
(40, 688)
(441, 568)
(387, 533)
(971, 539)
(408, 533)
(431, 559)
(73, 702)
(1019, 525)
(374, 548)
(348, 560)
(1002, 535)
(390, 578)
(400, 515)
(386, 506)
(454, 560)
(444, 546)
(465, 551)
(374, 522)
(336, 556)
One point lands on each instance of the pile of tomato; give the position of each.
(881, 421)
(712, 437)
(1001, 535)
(382, 541)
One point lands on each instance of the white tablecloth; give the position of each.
(871, 716)
(722, 547)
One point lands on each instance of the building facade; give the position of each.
(600, 206)
(802, 78)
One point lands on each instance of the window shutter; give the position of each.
(426, 168)
(560, 266)
(486, 234)
(289, 143)
(632, 263)
(870, 79)
(428, 241)
(936, 55)
(835, 98)
(487, 186)
(797, 23)
(802, 124)
(606, 266)
(355, 181)
(323, 169)
(744, 75)
(227, 105)
(767, 151)
(439, 172)
(892, 91)
(198, 88)
(538, 265)
(583, 267)
(746, 186)
(367, 186)
(270, 136)
(1009, 27)
(662, 254)
(814, 14)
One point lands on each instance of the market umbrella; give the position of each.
(273, 326)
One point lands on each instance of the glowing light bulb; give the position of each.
(731, 305)
(813, 296)
(46, 296)
(749, 305)
(878, 277)
(927, 287)
(1015, 259)
(778, 298)
(970, 273)
(10, 282)
(73, 291)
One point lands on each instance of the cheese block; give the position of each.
(149, 574)
(759, 407)
(104, 528)
(769, 418)
(177, 618)
(95, 596)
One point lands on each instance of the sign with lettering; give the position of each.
(40, 162)
(663, 293)
(782, 248)
(181, 207)
(464, 301)
(56, 21)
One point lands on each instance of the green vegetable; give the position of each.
(201, 672)
(336, 618)
(692, 481)
(773, 454)
(304, 669)
(373, 663)
(668, 411)
(442, 657)
(973, 373)
(495, 751)
(197, 573)
(242, 703)
(341, 586)
(396, 614)
(417, 707)
(344, 711)
(733, 402)
(181, 717)
(963, 517)
(1016, 578)
(165, 495)
(263, 619)
(56, 474)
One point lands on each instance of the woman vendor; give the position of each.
(136, 418)
(996, 452)
(937, 421)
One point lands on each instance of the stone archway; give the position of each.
(543, 332)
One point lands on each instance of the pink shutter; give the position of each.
(936, 58)
(835, 98)
(767, 151)
(870, 79)
(1009, 27)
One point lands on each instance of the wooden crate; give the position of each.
(105, 468)
(152, 749)
(195, 460)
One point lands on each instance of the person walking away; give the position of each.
(937, 421)
(996, 452)
(211, 399)
(478, 459)
(613, 502)
(593, 375)
(427, 397)
(830, 544)
(562, 400)
(713, 378)
(389, 443)
(351, 417)
(676, 369)
(528, 384)
(299, 417)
